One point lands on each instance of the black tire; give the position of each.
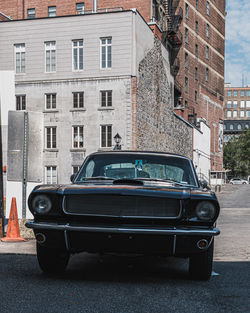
(200, 265)
(244, 183)
(52, 261)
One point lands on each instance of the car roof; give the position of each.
(140, 152)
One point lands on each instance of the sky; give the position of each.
(237, 55)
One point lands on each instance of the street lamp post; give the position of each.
(118, 140)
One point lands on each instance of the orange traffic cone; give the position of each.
(13, 231)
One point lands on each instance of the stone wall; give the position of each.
(158, 129)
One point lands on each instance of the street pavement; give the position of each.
(108, 284)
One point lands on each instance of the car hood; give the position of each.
(151, 190)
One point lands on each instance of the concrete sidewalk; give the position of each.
(26, 247)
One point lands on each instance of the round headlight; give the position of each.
(205, 211)
(41, 204)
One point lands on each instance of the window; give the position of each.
(20, 58)
(50, 56)
(248, 104)
(50, 175)
(77, 46)
(239, 127)
(207, 52)
(242, 104)
(229, 104)
(186, 60)
(196, 50)
(77, 139)
(186, 85)
(186, 10)
(50, 133)
(106, 98)
(196, 73)
(78, 100)
(235, 93)
(247, 126)
(231, 127)
(80, 8)
(242, 93)
(50, 100)
(31, 13)
(229, 93)
(248, 113)
(106, 136)
(106, 52)
(242, 113)
(207, 30)
(195, 96)
(208, 8)
(248, 93)
(52, 11)
(186, 35)
(207, 74)
(229, 113)
(196, 27)
(197, 4)
(235, 104)
(20, 102)
(75, 169)
(234, 113)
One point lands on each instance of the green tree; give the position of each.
(237, 155)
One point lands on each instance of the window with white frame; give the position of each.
(52, 11)
(242, 93)
(106, 98)
(77, 52)
(248, 113)
(242, 113)
(80, 8)
(207, 52)
(234, 113)
(20, 58)
(229, 104)
(242, 103)
(50, 137)
(248, 104)
(235, 104)
(207, 30)
(50, 101)
(248, 93)
(75, 169)
(50, 175)
(78, 100)
(20, 102)
(77, 137)
(106, 136)
(208, 8)
(31, 13)
(50, 56)
(229, 113)
(106, 52)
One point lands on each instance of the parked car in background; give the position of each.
(147, 203)
(238, 181)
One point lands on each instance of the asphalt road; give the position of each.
(139, 285)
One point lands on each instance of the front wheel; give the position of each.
(200, 265)
(52, 261)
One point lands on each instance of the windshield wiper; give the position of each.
(162, 180)
(98, 178)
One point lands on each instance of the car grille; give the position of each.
(122, 206)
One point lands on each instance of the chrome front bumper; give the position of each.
(177, 231)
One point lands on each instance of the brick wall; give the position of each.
(158, 128)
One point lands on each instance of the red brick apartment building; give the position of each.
(194, 31)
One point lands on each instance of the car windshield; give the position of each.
(137, 166)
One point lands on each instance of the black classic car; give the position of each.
(147, 203)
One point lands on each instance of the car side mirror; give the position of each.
(72, 177)
(204, 184)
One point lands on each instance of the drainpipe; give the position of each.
(94, 6)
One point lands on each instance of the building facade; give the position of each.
(236, 111)
(193, 30)
(78, 86)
